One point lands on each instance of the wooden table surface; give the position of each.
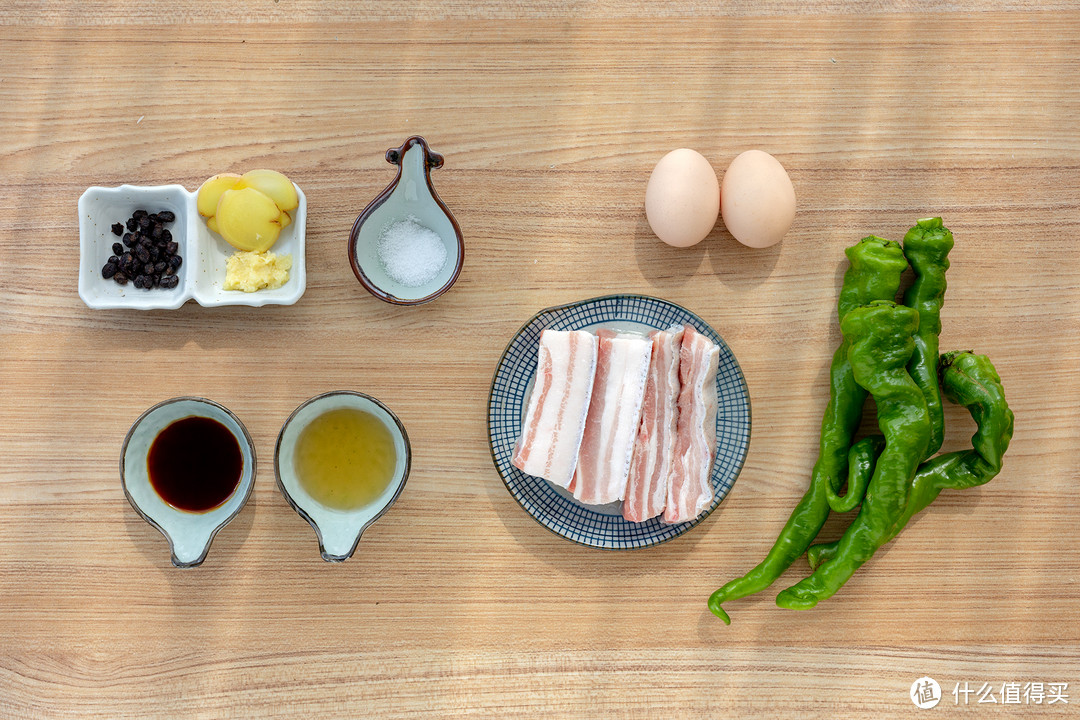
(550, 117)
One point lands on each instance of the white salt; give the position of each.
(411, 254)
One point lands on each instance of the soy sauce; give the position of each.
(195, 464)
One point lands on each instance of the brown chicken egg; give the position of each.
(757, 199)
(682, 199)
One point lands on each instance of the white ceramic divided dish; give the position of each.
(189, 533)
(99, 209)
(202, 275)
(338, 531)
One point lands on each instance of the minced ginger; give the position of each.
(253, 271)
(256, 271)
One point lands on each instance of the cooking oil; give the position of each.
(345, 458)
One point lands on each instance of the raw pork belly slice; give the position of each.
(654, 449)
(689, 489)
(613, 419)
(555, 421)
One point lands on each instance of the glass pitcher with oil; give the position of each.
(342, 459)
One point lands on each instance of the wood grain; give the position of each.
(550, 117)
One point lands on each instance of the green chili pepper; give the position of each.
(861, 461)
(971, 381)
(882, 343)
(874, 274)
(926, 247)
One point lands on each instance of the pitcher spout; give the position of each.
(338, 544)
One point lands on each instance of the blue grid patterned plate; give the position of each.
(555, 508)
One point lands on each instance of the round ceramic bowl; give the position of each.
(338, 531)
(410, 196)
(189, 533)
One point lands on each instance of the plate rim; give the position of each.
(601, 298)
